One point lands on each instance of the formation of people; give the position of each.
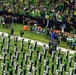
(21, 58)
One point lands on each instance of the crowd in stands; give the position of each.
(57, 10)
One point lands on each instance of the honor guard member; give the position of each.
(16, 67)
(52, 67)
(35, 71)
(35, 45)
(67, 54)
(55, 46)
(12, 59)
(71, 71)
(39, 68)
(48, 57)
(57, 61)
(22, 41)
(17, 55)
(70, 61)
(31, 54)
(10, 70)
(44, 52)
(47, 70)
(9, 35)
(53, 55)
(61, 69)
(30, 47)
(30, 70)
(19, 71)
(29, 42)
(74, 57)
(38, 48)
(74, 68)
(24, 54)
(4, 56)
(40, 57)
(45, 64)
(8, 40)
(61, 58)
(21, 62)
(15, 49)
(59, 52)
(2, 34)
(50, 49)
(3, 66)
(8, 64)
(8, 46)
(16, 39)
(11, 53)
(35, 61)
(22, 45)
(50, 44)
(3, 40)
(26, 58)
(24, 70)
(65, 65)
(15, 43)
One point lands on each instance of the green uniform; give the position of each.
(24, 70)
(35, 62)
(8, 63)
(47, 60)
(52, 67)
(65, 65)
(15, 43)
(21, 62)
(10, 71)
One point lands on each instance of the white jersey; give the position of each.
(67, 73)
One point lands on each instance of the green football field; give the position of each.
(34, 55)
(28, 34)
(34, 36)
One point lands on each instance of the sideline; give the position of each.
(39, 43)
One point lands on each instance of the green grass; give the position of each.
(31, 35)
(34, 55)
(28, 34)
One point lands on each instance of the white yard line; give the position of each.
(40, 43)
